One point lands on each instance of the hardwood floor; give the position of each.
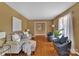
(44, 48)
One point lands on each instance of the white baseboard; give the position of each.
(39, 35)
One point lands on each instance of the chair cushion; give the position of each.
(63, 40)
(56, 40)
(11, 43)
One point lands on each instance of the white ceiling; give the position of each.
(40, 10)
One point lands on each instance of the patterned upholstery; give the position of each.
(63, 45)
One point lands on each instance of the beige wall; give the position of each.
(31, 24)
(6, 14)
(75, 14)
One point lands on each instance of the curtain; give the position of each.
(61, 26)
(65, 23)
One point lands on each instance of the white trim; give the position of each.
(35, 27)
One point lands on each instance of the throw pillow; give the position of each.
(63, 40)
(16, 37)
(26, 33)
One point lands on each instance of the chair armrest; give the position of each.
(61, 45)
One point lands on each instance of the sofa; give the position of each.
(15, 43)
(19, 41)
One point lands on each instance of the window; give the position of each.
(65, 23)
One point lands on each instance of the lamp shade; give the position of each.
(53, 25)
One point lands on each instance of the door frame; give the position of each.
(35, 34)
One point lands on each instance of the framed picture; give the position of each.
(17, 24)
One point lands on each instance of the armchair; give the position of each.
(50, 35)
(29, 46)
(63, 45)
(64, 49)
(16, 45)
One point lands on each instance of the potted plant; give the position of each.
(57, 33)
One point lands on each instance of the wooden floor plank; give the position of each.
(44, 48)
